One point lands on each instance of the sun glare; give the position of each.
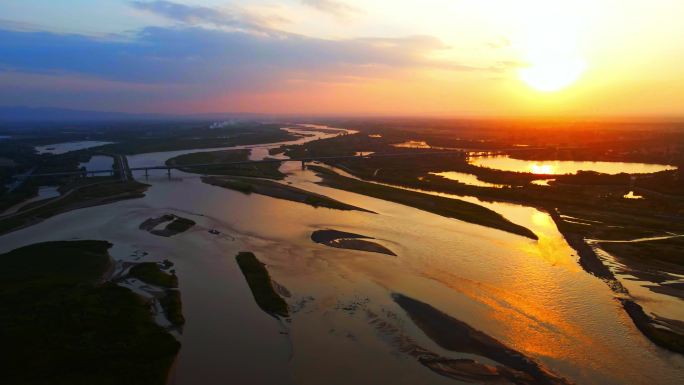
(552, 73)
(550, 46)
(542, 169)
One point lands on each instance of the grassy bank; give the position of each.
(173, 307)
(278, 190)
(447, 207)
(85, 196)
(176, 225)
(60, 325)
(150, 272)
(200, 137)
(259, 282)
(212, 158)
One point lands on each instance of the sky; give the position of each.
(470, 58)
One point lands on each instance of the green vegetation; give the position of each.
(26, 191)
(194, 136)
(175, 226)
(278, 190)
(150, 272)
(259, 282)
(173, 307)
(208, 159)
(242, 186)
(180, 225)
(452, 208)
(85, 196)
(61, 326)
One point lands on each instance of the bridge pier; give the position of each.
(146, 173)
(303, 165)
(168, 171)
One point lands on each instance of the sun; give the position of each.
(550, 42)
(553, 72)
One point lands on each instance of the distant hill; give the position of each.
(48, 114)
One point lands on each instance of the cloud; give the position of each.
(194, 60)
(211, 56)
(199, 15)
(333, 7)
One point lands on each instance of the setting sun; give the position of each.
(550, 46)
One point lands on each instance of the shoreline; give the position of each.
(592, 264)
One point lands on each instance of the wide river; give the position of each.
(531, 295)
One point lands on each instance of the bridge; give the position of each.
(123, 169)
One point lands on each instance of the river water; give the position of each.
(531, 295)
(63, 148)
(560, 167)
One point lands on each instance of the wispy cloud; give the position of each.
(211, 56)
(333, 7)
(200, 15)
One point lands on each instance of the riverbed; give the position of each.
(530, 295)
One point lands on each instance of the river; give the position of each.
(531, 295)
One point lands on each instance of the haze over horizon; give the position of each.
(348, 57)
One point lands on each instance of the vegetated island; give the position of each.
(260, 284)
(278, 190)
(61, 324)
(145, 138)
(176, 225)
(448, 207)
(455, 335)
(212, 161)
(152, 273)
(349, 241)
